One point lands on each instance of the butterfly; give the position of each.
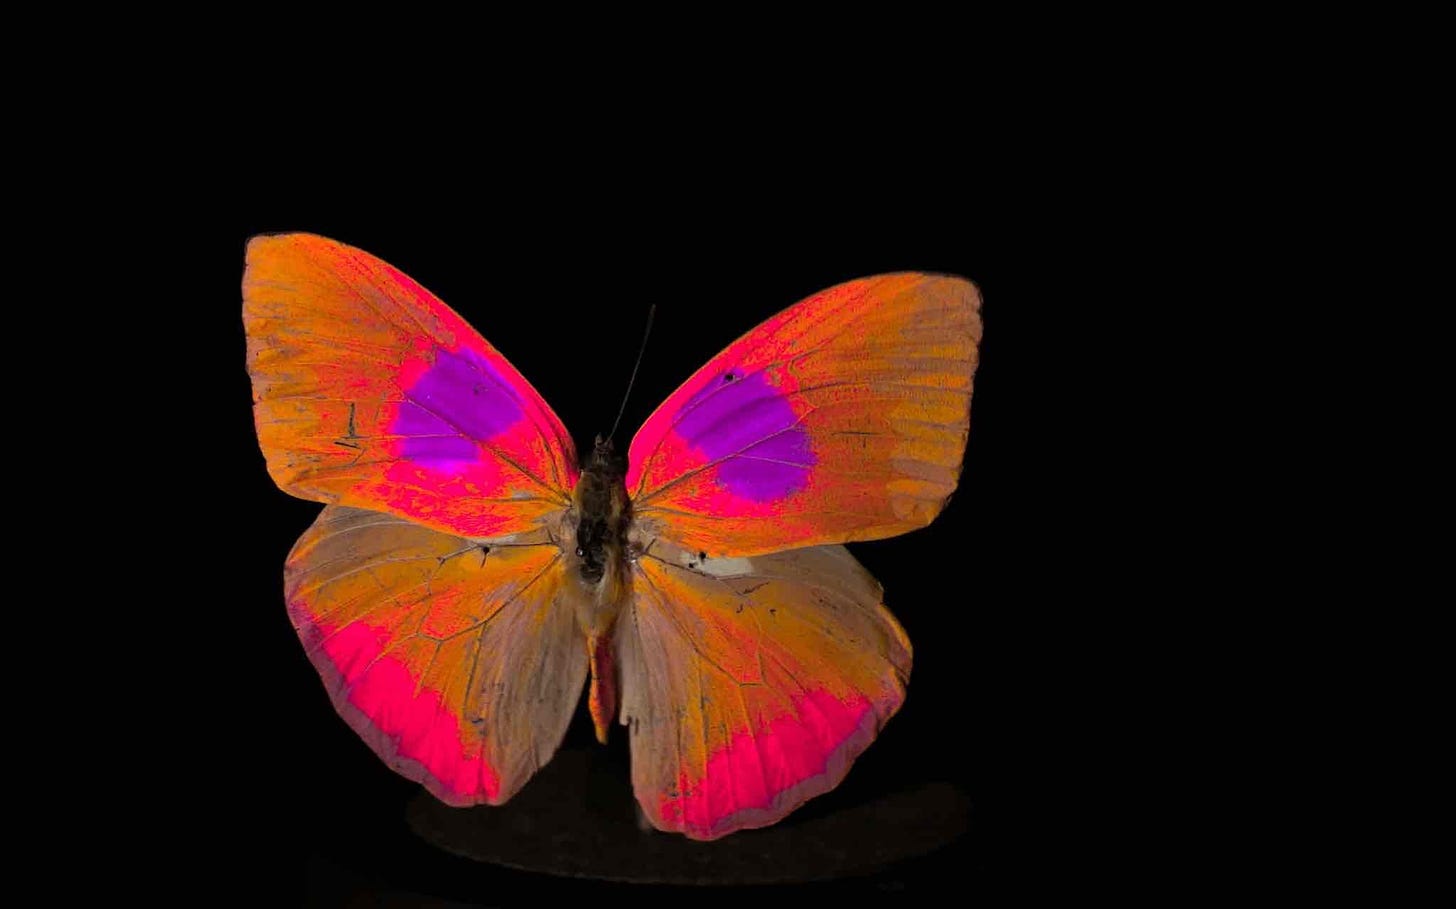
(469, 573)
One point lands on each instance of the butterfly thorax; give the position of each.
(604, 514)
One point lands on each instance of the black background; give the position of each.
(293, 804)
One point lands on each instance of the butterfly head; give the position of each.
(604, 458)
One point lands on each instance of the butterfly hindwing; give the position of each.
(459, 664)
(750, 685)
(370, 392)
(842, 418)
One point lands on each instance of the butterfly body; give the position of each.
(603, 514)
(468, 575)
(597, 527)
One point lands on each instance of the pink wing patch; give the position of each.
(842, 418)
(815, 739)
(381, 698)
(370, 392)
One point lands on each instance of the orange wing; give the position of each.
(751, 684)
(370, 392)
(842, 418)
(460, 664)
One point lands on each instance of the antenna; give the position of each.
(642, 350)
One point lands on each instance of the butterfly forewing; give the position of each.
(842, 418)
(370, 392)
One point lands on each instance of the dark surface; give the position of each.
(578, 820)
(283, 799)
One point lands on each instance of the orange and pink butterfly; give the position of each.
(470, 575)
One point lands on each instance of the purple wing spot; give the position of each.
(751, 425)
(458, 401)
